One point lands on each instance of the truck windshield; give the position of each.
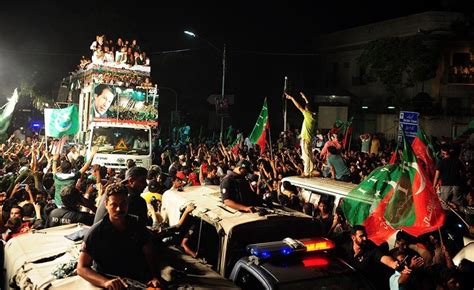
(116, 140)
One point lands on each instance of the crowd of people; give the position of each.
(125, 54)
(42, 187)
(462, 74)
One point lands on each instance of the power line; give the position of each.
(275, 53)
(38, 52)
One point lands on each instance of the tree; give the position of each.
(399, 62)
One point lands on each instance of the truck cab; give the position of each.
(119, 141)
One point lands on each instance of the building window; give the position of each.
(461, 58)
(462, 68)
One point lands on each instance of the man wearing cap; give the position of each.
(236, 191)
(177, 185)
(307, 133)
(135, 179)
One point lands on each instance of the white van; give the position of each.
(311, 189)
(226, 232)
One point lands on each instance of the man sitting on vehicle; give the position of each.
(236, 191)
(366, 257)
(69, 214)
(118, 246)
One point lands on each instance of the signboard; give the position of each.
(212, 99)
(409, 124)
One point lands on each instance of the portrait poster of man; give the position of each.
(107, 98)
(104, 96)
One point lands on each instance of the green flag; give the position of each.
(7, 111)
(61, 122)
(258, 135)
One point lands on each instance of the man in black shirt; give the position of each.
(118, 246)
(449, 171)
(366, 257)
(69, 213)
(235, 189)
(136, 183)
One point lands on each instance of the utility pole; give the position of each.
(223, 91)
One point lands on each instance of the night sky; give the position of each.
(42, 42)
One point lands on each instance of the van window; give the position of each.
(209, 243)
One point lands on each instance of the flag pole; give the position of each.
(458, 215)
(285, 107)
(270, 140)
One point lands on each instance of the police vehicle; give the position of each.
(295, 264)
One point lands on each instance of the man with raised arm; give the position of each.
(307, 133)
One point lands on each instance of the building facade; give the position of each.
(451, 90)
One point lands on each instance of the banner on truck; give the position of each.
(124, 103)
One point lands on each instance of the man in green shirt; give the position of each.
(307, 133)
(66, 177)
(339, 170)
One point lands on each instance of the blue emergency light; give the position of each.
(288, 247)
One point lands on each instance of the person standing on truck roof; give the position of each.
(236, 191)
(307, 133)
(118, 246)
(104, 96)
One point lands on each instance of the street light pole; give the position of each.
(175, 104)
(223, 90)
(223, 71)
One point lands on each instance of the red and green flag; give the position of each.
(347, 133)
(423, 209)
(258, 135)
(395, 197)
(394, 157)
(424, 152)
(236, 144)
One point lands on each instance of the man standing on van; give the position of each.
(307, 133)
(235, 189)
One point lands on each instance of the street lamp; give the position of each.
(223, 70)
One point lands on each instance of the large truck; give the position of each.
(118, 111)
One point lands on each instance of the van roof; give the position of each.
(326, 186)
(210, 207)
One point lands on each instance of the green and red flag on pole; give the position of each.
(234, 147)
(423, 209)
(395, 197)
(347, 133)
(424, 153)
(258, 135)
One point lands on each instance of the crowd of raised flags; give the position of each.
(400, 192)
